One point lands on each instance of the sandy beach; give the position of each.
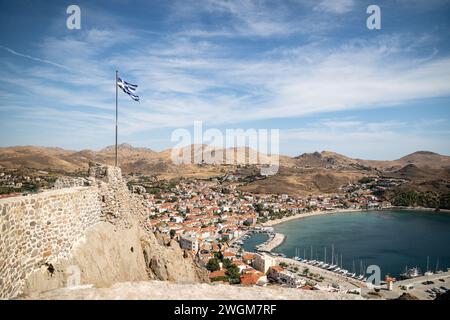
(271, 223)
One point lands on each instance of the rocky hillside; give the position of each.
(318, 172)
(119, 248)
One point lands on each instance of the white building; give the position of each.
(262, 262)
(189, 243)
(280, 275)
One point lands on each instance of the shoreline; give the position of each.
(277, 240)
(279, 237)
(272, 223)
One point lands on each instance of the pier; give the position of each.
(272, 243)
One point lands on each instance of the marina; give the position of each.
(391, 240)
(341, 271)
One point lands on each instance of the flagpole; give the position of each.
(116, 117)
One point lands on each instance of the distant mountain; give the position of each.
(421, 159)
(308, 173)
(125, 147)
(324, 158)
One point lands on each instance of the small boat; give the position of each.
(428, 272)
(331, 267)
(410, 273)
(360, 277)
(326, 265)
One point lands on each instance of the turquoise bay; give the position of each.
(391, 239)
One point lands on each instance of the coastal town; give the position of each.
(212, 218)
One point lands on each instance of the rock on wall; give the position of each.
(106, 256)
(95, 235)
(40, 229)
(165, 260)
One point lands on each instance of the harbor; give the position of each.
(342, 267)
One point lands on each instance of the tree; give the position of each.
(219, 255)
(172, 233)
(365, 180)
(227, 263)
(233, 273)
(213, 264)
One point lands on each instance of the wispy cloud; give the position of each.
(367, 139)
(253, 61)
(335, 6)
(34, 58)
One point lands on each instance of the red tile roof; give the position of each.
(216, 274)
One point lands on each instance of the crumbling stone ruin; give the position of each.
(85, 235)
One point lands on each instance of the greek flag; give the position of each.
(128, 88)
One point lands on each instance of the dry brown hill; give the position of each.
(316, 172)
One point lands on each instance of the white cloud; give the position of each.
(182, 81)
(335, 6)
(34, 58)
(188, 75)
(367, 140)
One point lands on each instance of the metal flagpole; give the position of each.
(116, 116)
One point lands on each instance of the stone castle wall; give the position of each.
(39, 229)
(100, 228)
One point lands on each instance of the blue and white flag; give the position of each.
(128, 88)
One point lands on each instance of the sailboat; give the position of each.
(332, 265)
(410, 273)
(428, 272)
(325, 264)
(361, 272)
(353, 274)
(437, 267)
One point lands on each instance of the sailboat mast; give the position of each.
(332, 253)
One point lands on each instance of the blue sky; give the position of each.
(309, 68)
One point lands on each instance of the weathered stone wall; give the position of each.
(38, 230)
(102, 230)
